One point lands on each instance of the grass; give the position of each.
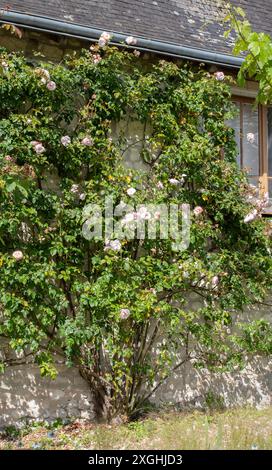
(244, 428)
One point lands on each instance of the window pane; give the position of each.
(235, 124)
(270, 189)
(269, 122)
(254, 180)
(250, 139)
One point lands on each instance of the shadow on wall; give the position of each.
(252, 386)
(26, 396)
(193, 388)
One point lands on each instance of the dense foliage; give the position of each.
(120, 310)
(256, 47)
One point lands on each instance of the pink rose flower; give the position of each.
(251, 216)
(87, 141)
(17, 255)
(131, 41)
(96, 58)
(153, 291)
(51, 85)
(174, 181)
(39, 148)
(10, 159)
(114, 245)
(74, 188)
(215, 281)
(104, 39)
(143, 214)
(129, 218)
(65, 140)
(136, 53)
(220, 76)
(45, 74)
(124, 313)
(198, 211)
(131, 191)
(102, 42)
(106, 36)
(251, 137)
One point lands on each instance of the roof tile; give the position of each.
(193, 23)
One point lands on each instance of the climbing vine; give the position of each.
(121, 309)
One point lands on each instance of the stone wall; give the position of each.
(26, 396)
(197, 388)
(52, 46)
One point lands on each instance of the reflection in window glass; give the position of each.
(246, 127)
(255, 181)
(235, 124)
(250, 139)
(270, 189)
(269, 122)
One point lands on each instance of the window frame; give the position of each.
(263, 176)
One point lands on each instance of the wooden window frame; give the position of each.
(263, 146)
(264, 179)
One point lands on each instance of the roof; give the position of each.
(192, 23)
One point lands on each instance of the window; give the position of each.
(246, 126)
(268, 167)
(253, 133)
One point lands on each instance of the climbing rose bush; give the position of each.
(120, 310)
